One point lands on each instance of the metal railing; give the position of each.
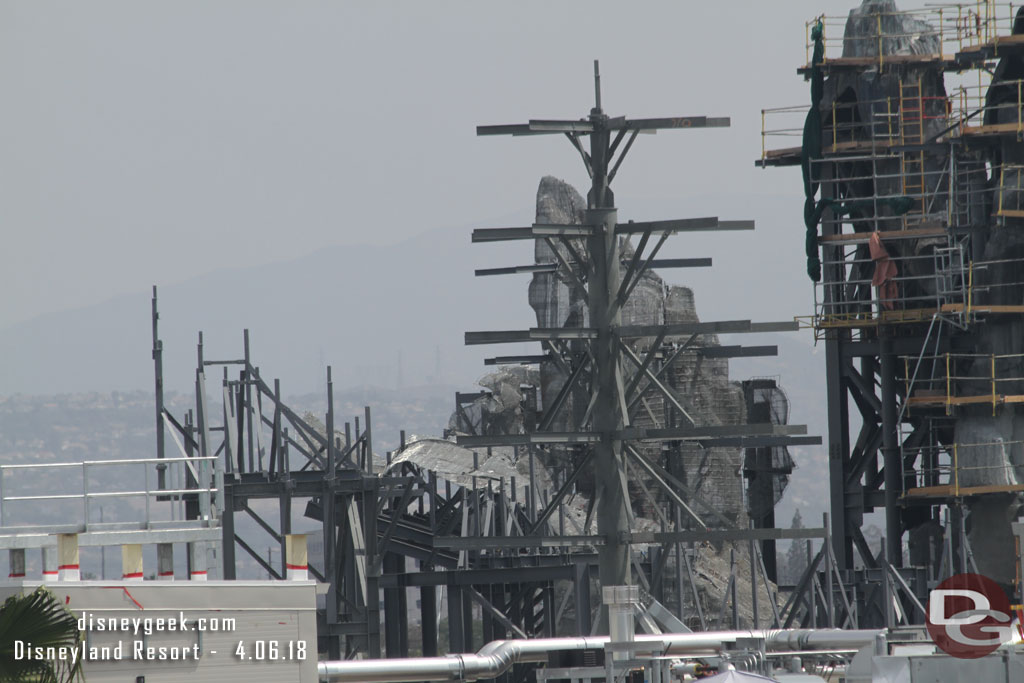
(966, 379)
(901, 119)
(894, 177)
(1010, 202)
(942, 283)
(947, 29)
(987, 103)
(921, 284)
(963, 465)
(186, 477)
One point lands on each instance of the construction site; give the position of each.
(603, 508)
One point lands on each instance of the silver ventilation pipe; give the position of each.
(497, 657)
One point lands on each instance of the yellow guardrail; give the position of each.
(1011, 191)
(965, 379)
(903, 119)
(952, 27)
(947, 465)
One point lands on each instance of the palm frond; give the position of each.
(38, 620)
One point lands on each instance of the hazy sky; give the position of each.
(146, 142)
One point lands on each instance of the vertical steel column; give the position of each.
(285, 520)
(891, 451)
(467, 619)
(328, 501)
(455, 629)
(496, 596)
(228, 532)
(487, 625)
(371, 493)
(608, 417)
(428, 619)
(392, 611)
(158, 383)
(549, 610)
(582, 594)
(608, 420)
(679, 550)
(245, 396)
(191, 504)
(836, 390)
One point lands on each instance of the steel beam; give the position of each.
(646, 537)
(681, 225)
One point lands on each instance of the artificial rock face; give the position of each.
(712, 475)
(703, 383)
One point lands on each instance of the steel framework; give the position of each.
(918, 285)
(600, 357)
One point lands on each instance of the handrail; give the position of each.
(954, 381)
(950, 473)
(198, 466)
(953, 26)
(127, 461)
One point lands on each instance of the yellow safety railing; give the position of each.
(960, 467)
(987, 107)
(956, 469)
(1011, 191)
(956, 379)
(909, 116)
(782, 122)
(942, 30)
(970, 287)
(841, 130)
(947, 288)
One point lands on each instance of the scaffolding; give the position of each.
(948, 29)
(912, 164)
(960, 379)
(947, 474)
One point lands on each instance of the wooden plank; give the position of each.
(965, 400)
(860, 62)
(785, 157)
(993, 308)
(948, 490)
(994, 44)
(886, 235)
(836, 148)
(857, 146)
(910, 315)
(784, 152)
(1010, 213)
(991, 129)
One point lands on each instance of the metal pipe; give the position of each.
(497, 657)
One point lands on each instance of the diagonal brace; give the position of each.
(668, 393)
(563, 394)
(562, 491)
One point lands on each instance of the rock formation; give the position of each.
(713, 476)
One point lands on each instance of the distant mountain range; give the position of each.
(385, 316)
